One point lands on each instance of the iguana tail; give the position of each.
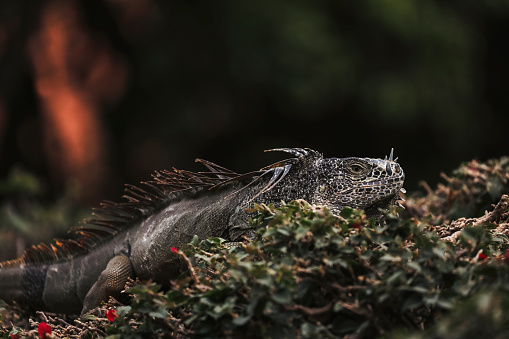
(35, 286)
(24, 284)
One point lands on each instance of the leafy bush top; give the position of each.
(310, 274)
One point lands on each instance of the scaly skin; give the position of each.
(134, 239)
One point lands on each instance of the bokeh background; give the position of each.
(97, 93)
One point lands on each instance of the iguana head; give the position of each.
(365, 183)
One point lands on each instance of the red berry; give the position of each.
(43, 329)
(111, 315)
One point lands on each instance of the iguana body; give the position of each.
(134, 239)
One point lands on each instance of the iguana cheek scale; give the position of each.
(134, 239)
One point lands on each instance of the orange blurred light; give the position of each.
(73, 76)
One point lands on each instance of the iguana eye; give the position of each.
(356, 169)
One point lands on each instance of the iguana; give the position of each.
(133, 239)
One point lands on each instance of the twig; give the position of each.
(489, 217)
(43, 316)
(348, 288)
(316, 311)
(192, 272)
(500, 208)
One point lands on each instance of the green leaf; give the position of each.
(161, 313)
(390, 257)
(195, 241)
(123, 310)
(495, 187)
(282, 296)
(90, 317)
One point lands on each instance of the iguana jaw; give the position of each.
(373, 210)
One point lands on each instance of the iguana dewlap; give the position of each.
(134, 239)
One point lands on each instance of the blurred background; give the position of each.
(98, 93)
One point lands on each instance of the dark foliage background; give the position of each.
(163, 82)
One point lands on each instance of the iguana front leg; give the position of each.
(110, 283)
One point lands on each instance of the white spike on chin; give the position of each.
(401, 197)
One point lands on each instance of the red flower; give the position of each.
(482, 256)
(43, 329)
(174, 249)
(111, 315)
